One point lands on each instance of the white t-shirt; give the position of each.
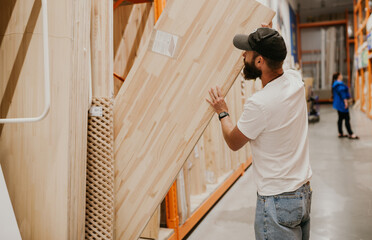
(275, 119)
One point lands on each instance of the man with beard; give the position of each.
(275, 123)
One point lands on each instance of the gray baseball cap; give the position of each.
(266, 41)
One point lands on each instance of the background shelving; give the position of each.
(363, 65)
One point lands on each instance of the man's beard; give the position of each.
(250, 71)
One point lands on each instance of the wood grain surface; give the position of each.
(161, 112)
(44, 162)
(101, 42)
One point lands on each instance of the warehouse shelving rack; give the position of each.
(362, 11)
(180, 231)
(349, 41)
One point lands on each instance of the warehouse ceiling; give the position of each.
(315, 10)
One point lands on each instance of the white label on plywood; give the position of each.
(95, 111)
(164, 43)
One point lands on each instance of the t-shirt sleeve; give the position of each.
(252, 121)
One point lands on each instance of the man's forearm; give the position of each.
(232, 135)
(227, 127)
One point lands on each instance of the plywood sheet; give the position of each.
(161, 112)
(213, 156)
(44, 162)
(197, 170)
(140, 23)
(181, 197)
(133, 25)
(153, 226)
(102, 49)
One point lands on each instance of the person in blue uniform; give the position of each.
(341, 94)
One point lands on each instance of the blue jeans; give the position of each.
(285, 216)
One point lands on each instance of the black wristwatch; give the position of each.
(222, 115)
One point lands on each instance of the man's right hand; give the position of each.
(217, 100)
(270, 25)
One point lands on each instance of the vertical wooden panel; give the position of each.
(132, 29)
(100, 197)
(78, 120)
(121, 17)
(44, 162)
(102, 48)
(153, 226)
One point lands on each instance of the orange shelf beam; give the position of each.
(322, 24)
(357, 5)
(310, 51)
(173, 237)
(159, 5)
(119, 77)
(356, 42)
(310, 62)
(364, 24)
(172, 209)
(117, 3)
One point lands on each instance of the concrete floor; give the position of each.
(341, 183)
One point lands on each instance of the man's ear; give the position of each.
(259, 60)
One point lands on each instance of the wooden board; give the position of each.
(182, 198)
(140, 22)
(133, 25)
(99, 221)
(44, 162)
(102, 49)
(161, 112)
(153, 226)
(197, 169)
(214, 158)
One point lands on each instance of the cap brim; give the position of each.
(240, 41)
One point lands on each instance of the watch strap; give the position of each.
(222, 115)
